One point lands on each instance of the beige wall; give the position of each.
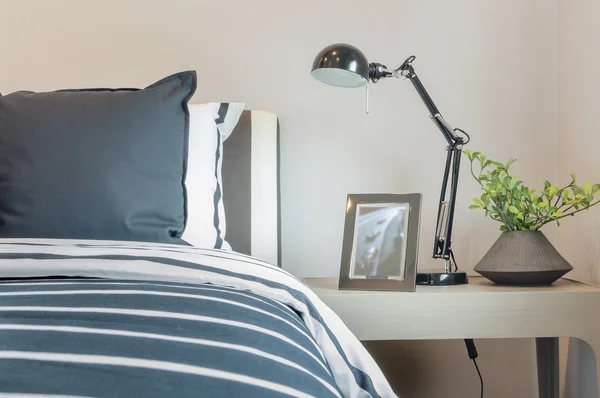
(490, 65)
(579, 126)
(442, 369)
(578, 145)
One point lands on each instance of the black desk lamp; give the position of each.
(344, 65)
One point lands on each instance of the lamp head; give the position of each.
(341, 65)
(344, 65)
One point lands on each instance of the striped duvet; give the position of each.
(122, 319)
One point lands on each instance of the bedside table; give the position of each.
(478, 310)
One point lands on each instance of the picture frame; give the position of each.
(381, 242)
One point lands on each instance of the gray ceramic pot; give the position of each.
(523, 258)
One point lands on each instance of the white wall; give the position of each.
(579, 140)
(489, 65)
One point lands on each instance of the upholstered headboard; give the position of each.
(251, 195)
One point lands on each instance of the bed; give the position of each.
(125, 318)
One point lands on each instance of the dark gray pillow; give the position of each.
(96, 163)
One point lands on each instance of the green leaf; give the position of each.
(541, 204)
(587, 189)
(573, 177)
(577, 190)
(552, 191)
(474, 207)
(478, 202)
(517, 194)
(503, 228)
(513, 209)
(565, 195)
(513, 182)
(485, 198)
(546, 184)
(510, 162)
(469, 153)
(532, 228)
(557, 214)
(595, 188)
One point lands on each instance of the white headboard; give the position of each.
(251, 193)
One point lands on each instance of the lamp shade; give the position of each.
(341, 65)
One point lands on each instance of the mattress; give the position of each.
(127, 319)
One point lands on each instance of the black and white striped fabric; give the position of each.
(210, 125)
(123, 319)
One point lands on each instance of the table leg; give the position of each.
(547, 366)
(582, 372)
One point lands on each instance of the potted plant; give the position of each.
(522, 255)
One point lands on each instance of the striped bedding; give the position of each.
(123, 319)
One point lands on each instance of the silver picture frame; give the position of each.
(381, 242)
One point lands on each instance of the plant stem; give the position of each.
(577, 211)
(559, 193)
(546, 220)
(473, 174)
(501, 215)
(570, 214)
(567, 209)
(506, 221)
(557, 198)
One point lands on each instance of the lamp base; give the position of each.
(436, 278)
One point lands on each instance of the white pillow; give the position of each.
(210, 125)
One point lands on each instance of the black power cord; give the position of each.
(472, 351)
(480, 378)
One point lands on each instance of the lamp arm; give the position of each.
(406, 70)
(445, 217)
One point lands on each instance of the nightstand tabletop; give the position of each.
(479, 309)
(477, 284)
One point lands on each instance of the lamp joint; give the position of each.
(378, 71)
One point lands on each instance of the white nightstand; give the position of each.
(477, 310)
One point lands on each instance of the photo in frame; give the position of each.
(380, 245)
